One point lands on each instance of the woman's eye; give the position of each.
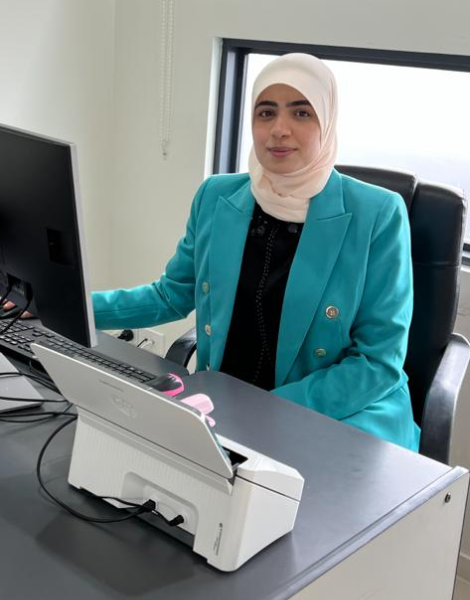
(265, 113)
(302, 113)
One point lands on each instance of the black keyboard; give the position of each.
(19, 337)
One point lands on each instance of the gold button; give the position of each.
(205, 287)
(332, 312)
(320, 352)
(207, 329)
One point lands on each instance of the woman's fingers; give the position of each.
(9, 305)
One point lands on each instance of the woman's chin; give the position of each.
(281, 166)
(283, 169)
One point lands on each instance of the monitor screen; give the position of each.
(42, 252)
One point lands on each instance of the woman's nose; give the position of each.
(280, 127)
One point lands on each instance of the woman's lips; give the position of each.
(281, 152)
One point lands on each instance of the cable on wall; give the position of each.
(168, 22)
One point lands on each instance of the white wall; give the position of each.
(56, 78)
(152, 195)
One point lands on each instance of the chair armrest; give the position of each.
(441, 400)
(183, 348)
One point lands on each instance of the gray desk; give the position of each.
(373, 521)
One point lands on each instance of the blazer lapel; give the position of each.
(229, 230)
(319, 246)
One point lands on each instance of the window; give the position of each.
(397, 110)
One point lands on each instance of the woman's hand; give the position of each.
(8, 305)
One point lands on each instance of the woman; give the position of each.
(301, 277)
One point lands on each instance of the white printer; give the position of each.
(136, 444)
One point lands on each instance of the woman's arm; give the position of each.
(168, 299)
(372, 367)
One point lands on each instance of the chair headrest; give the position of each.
(403, 182)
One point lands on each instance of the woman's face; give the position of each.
(286, 131)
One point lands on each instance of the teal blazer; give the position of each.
(347, 306)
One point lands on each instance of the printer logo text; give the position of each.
(124, 406)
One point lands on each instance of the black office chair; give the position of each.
(437, 358)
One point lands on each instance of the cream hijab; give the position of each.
(287, 196)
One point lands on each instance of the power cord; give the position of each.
(170, 522)
(20, 415)
(38, 378)
(126, 334)
(147, 507)
(53, 401)
(36, 417)
(41, 377)
(9, 314)
(28, 417)
(6, 294)
(13, 321)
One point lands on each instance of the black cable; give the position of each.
(8, 398)
(59, 502)
(34, 378)
(22, 416)
(5, 329)
(126, 334)
(171, 522)
(147, 507)
(10, 314)
(95, 497)
(42, 376)
(37, 378)
(142, 342)
(37, 417)
(6, 294)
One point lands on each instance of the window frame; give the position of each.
(232, 86)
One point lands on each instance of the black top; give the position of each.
(250, 350)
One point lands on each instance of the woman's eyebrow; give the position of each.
(266, 103)
(299, 103)
(289, 104)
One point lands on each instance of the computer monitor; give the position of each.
(42, 251)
